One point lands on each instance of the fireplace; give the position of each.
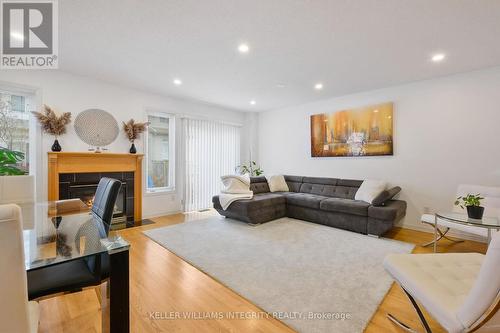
(74, 169)
(84, 185)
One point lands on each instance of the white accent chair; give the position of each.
(16, 313)
(460, 290)
(491, 204)
(20, 190)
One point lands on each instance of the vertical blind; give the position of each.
(212, 150)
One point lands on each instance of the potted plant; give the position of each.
(473, 204)
(132, 131)
(53, 124)
(251, 168)
(8, 162)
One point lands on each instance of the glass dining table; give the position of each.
(62, 231)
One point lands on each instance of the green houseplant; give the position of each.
(8, 162)
(471, 202)
(251, 168)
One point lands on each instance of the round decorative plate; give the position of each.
(96, 127)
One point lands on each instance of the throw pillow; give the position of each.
(277, 183)
(369, 190)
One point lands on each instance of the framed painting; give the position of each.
(363, 131)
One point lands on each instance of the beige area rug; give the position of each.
(312, 277)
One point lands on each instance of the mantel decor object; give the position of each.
(53, 124)
(133, 130)
(96, 128)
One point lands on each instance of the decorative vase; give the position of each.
(133, 150)
(56, 146)
(475, 212)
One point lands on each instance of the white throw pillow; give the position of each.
(369, 190)
(277, 183)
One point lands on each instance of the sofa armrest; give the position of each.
(385, 196)
(393, 210)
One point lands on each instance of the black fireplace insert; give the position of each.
(84, 185)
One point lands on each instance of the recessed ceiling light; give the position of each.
(438, 57)
(253, 102)
(243, 48)
(177, 82)
(318, 86)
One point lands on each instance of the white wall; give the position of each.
(446, 132)
(70, 93)
(249, 140)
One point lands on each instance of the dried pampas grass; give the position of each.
(133, 130)
(51, 123)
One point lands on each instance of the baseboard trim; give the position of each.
(160, 214)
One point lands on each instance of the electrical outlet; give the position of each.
(427, 210)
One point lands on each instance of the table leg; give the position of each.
(489, 236)
(117, 319)
(435, 233)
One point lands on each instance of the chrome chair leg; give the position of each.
(401, 325)
(419, 313)
(441, 236)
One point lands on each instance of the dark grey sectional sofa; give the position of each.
(328, 201)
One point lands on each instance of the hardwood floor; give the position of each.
(162, 282)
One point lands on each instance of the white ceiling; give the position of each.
(349, 45)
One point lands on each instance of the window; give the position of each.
(15, 125)
(212, 150)
(160, 153)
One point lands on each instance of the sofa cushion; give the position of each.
(329, 190)
(258, 201)
(259, 185)
(345, 192)
(294, 186)
(296, 179)
(320, 180)
(294, 183)
(350, 182)
(304, 199)
(258, 179)
(347, 206)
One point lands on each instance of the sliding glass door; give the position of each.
(212, 149)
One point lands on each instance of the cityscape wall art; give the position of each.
(362, 131)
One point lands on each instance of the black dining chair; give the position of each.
(91, 271)
(105, 199)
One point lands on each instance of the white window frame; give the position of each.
(34, 136)
(171, 154)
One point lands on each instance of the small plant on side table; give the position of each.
(471, 202)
